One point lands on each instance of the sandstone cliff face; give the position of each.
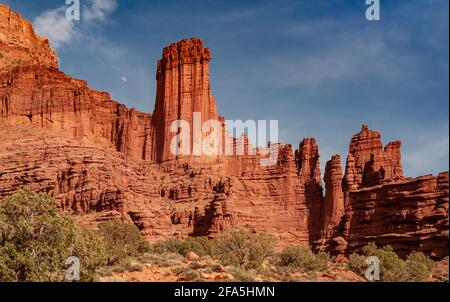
(270, 199)
(19, 45)
(279, 200)
(410, 215)
(104, 161)
(33, 92)
(46, 98)
(383, 206)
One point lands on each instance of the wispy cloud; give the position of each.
(54, 25)
(341, 56)
(99, 10)
(61, 31)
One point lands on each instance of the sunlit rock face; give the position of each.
(102, 161)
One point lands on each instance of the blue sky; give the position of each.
(319, 67)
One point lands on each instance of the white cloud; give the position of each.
(98, 10)
(124, 79)
(54, 25)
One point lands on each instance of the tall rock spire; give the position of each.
(183, 87)
(333, 204)
(308, 166)
(308, 161)
(368, 163)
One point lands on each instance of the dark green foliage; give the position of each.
(357, 264)
(244, 249)
(302, 258)
(122, 240)
(417, 267)
(202, 246)
(240, 248)
(36, 240)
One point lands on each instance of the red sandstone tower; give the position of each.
(183, 87)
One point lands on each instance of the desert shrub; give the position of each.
(323, 257)
(106, 271)
(189, 275)
(36, 240)
(122, 240)
(244, 249)
(133, 266)
(240, 248)
(357, 263)
(391, 266)
(195, 265)
(90, 249)
(216, 268)
(171, 245)
(242, 275)
(186, 274)
(164, 260)
(202, 246)
(118, 268)
(179, 270)
(302, 258)
(417, 266)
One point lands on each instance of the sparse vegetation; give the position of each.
(242, 275)
(302, 258)
(202, 246)
(189, 275)
(416, 267)
(244, 249)
(195, 265)
(36, 239)
(238, 247)
(133, 266)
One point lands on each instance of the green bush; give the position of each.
(240, 248)
(244, 249)
(417, 267)
(391, 269)
(36, 240)
(133, 266)
(202, 246)
(302, 258)
(90, 249)
(357, 264)
(189, 275)
(122, 240)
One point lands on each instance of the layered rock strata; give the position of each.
(104, 161)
